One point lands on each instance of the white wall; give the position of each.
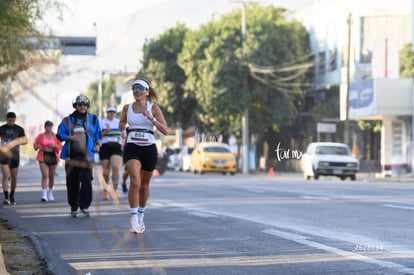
(326, 22)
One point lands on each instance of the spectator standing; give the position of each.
(81, 132)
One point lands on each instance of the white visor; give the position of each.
(140, 82)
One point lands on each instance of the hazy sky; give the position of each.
(121, 27)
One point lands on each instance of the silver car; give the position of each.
(329, 159)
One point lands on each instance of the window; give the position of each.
(381, 28)
(397, 136)
(311, 70)
(322, 62)
(333, 64)
(216, 149)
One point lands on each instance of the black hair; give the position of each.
(11, 115)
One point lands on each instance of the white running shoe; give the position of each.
(141, 223)
(50, 196)
(135, 228)
(44, 195)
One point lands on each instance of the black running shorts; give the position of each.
(147, 155)
(109, 149)
(12, 161)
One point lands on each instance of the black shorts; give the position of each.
(109, 149)
(13, 161)
(147, 155)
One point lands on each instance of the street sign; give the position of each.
(69, 45)
(77, 45)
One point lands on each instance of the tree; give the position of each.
(19, 20)
(161, 68)
(407, 61)
(109, 97)
(215, 63)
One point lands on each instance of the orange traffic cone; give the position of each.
(156, 172)
(271, 172)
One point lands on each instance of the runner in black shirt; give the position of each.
(12, 136)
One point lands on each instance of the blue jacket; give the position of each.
(93, 134)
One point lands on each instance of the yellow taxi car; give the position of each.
(213, 157)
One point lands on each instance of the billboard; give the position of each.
(362, 98)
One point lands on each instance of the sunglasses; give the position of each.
(113, 112)
(82, 104)
(138, 88)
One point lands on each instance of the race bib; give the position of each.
(138, 137)
(78, 130)
(113, 139)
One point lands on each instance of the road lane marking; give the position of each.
(316, 198)
(201, 214)
(399, 206)
(352, 256)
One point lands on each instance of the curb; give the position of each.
(3, 269)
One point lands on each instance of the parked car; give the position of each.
(213, 157)
(172, 153)
(329, 159)
(184, 158)
(162, 163)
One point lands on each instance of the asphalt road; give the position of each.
(214, 224)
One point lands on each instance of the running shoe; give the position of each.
(12, 201)
(124, 188)
(6, 202)
(50, 196)
(135, 228)
(84, 212)
(141, 223)
(105, 195)
(115, 195)
(74, 214)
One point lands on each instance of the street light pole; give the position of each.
(348, 83)
(245, 117)
(100, 95)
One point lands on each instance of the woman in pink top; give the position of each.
(48, 157)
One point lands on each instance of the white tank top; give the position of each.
(140, 127)
(114, 134)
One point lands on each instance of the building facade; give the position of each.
(355, 47)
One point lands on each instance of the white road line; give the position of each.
(316, 198)
(255, 190)
(201, 214)
(353, 256)
(399, 206)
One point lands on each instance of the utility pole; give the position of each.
(245, 117)
(100, 95)
(100, 84)
(412, 92)
(348, 83)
